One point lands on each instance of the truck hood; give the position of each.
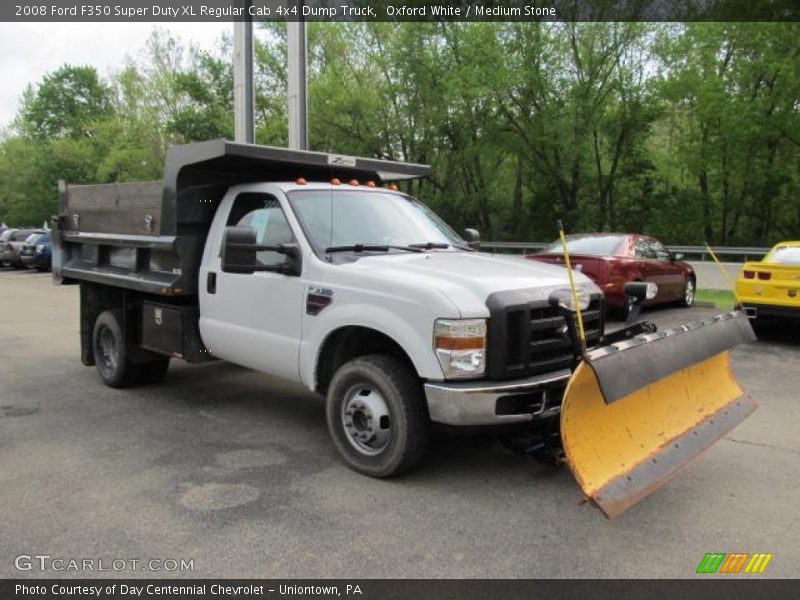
(468, 279)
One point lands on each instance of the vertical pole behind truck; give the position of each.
(296, 70)
(243, 96)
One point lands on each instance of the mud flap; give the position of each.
(636, 412)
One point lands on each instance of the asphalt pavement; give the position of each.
(234, 471)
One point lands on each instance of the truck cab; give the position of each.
(316, 269)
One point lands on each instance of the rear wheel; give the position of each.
(376, 415)
(111, 351)
(689, 292)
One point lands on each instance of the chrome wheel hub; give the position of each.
(366, 420)
(689, 297)
(109, 355)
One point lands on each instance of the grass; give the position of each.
(720, 298)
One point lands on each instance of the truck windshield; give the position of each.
(343, 218)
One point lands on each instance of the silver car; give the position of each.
(11, 244)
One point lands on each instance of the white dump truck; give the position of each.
(314, 268)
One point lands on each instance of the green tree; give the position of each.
(65, 103)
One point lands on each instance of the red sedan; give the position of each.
(613, 259)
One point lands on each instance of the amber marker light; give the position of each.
(456, 343)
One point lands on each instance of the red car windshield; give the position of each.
(597, 245)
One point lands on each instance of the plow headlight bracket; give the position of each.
(563, 299)
(641, 290)
(460, 346)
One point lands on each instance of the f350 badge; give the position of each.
(317, 299)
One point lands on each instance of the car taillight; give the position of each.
(764, 275)
(749, 274)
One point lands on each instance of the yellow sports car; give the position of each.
(771, 288)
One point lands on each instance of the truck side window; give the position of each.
(263, 213)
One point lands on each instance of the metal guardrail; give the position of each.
(743, 252)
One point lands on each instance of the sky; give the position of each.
(29, 50)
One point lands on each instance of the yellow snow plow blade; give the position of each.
(636, 412)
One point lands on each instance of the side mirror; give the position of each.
(239, 248)
(473, 238)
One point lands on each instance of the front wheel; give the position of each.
(376, 415)
(689, 291)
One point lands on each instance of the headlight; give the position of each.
(460, 346)
(39, 248)
(565, 299)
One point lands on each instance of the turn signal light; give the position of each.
(460, 343)
(764, 275)
(749, 274)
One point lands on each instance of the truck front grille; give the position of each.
(532, 338)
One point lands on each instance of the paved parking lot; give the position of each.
(234, 470)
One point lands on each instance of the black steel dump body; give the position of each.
(149, 236)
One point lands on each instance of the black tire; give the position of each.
(111, 352)
(688, 298)
(408, 425)
(155, 370)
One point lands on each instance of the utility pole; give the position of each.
(297, 100)
(243, 97)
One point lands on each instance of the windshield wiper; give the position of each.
(440, 245)
(370, 248)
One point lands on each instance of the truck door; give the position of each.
(253, 319)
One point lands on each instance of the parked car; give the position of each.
(771, 288)
(12, 246)
(613, 259)
(4, 235)
(36, 253)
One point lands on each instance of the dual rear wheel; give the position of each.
(114, 358)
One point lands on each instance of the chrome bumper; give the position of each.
(472, 403)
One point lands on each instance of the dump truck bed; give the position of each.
(149, 236)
